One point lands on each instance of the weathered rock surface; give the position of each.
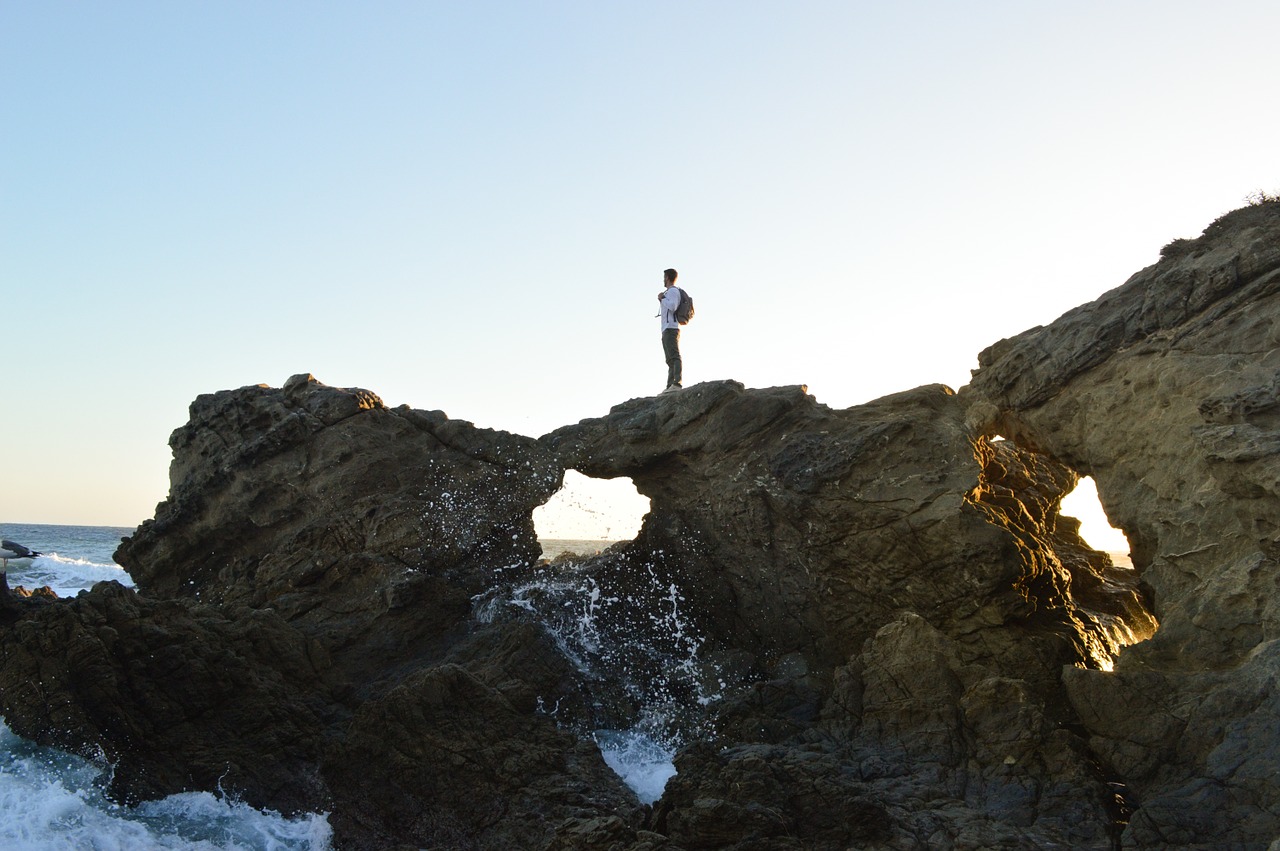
(367, 528)
(1167, 391)
(864, 628)
(896, 593)
(318, 553)
(801, 530)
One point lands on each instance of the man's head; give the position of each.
(669, 276)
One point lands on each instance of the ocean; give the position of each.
(53, 801)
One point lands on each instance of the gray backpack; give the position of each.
(685, 311)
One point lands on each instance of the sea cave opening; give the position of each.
(1075, 554)
(588, 515)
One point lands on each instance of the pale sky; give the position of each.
(468, 205)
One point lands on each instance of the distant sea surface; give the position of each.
(72, 559)
(553, 547)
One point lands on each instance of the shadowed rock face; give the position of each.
(893, 584)
(366, 528)
(867, 627)
(176, 697)
(317, 556)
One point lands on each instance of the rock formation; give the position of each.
(862, 628)
(1167, 391)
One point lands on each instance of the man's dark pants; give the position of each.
(671, 348)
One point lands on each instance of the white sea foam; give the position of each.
(641, 639)
(51, 800)
(66, 576)
(641, 762)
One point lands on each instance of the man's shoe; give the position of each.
(671, 388)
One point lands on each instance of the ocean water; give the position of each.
(644, 755)
(53, 801)
(72, 558)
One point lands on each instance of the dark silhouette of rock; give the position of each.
(862, 628)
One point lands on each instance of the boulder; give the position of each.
(171, 695)
(444, 760)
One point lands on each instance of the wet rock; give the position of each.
(172, 695)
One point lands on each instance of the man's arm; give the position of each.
(670, 299)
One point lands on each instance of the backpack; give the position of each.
(685, 311)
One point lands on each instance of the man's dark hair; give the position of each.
(670, 275)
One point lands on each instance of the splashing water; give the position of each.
(623, 622)
(642, 763)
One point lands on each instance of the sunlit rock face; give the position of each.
(866, 627)
(1167, 391)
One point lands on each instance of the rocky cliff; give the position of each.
(864, 628)
(1167, 391)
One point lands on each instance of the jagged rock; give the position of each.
(445, 761)
(172, 694)
(784, 535)
(316, 548)
(795, 529)
(767, 796)
(922, 724)
(368, 528)
(890, 558)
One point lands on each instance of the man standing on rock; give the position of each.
(669, 300)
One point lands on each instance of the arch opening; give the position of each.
(1084, 573)
(1096, 530)
(588, 515)
(640, 660)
